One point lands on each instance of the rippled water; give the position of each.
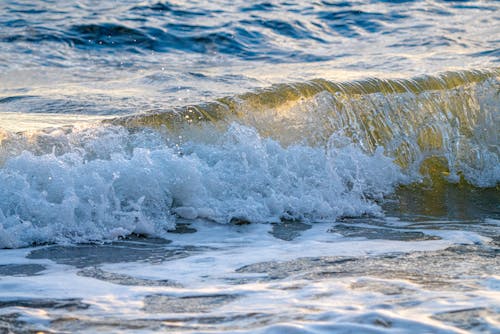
(266, 166)
(108, 57)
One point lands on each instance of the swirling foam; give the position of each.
(107, 182)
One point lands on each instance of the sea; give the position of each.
(232, 166)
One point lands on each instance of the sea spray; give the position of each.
(95, 192)
(448, 121)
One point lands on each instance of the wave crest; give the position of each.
(453, 116)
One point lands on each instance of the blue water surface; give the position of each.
(115, 57)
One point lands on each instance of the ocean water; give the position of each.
(249, 166)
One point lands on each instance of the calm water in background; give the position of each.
(211, 166)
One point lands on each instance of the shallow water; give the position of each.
(363, 275)
(262, 167)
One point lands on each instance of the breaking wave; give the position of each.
(449, 121)
(313, 151)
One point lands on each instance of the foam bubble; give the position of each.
(108, 182)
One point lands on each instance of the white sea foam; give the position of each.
(99, 184)
(315, 294)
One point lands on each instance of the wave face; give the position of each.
(312, 151)
(444, 124)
